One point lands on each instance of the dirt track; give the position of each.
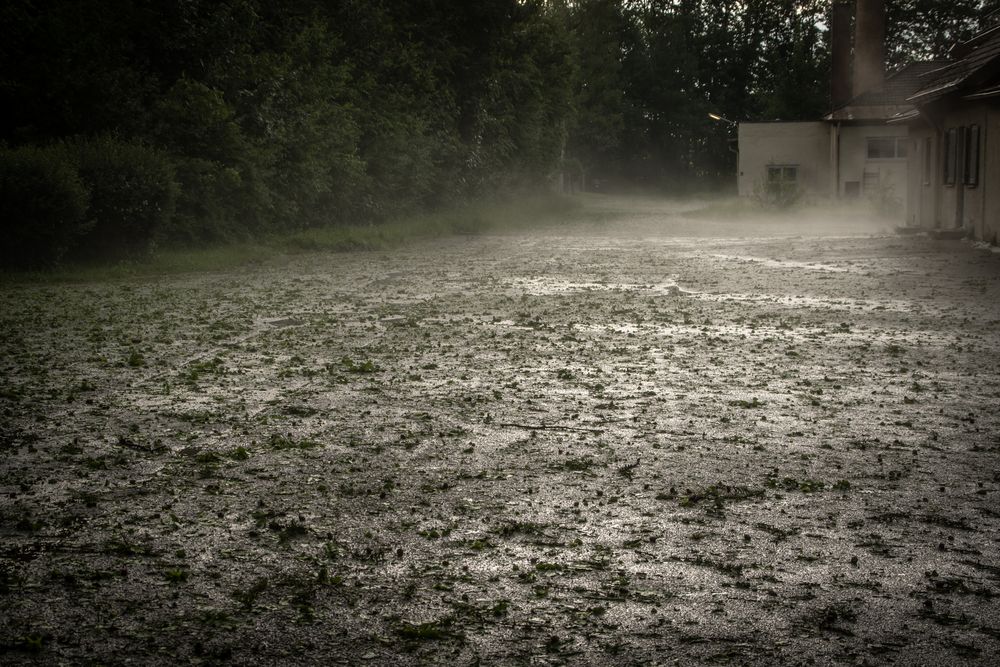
(641, 438)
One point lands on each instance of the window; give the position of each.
(928, 160)
(972, 156)
(950, 155)
(782, 180)
(886, 148)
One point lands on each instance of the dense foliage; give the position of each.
(194, 120)
(43, 205)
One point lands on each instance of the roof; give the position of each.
(899, 86)
(983, 93)
(891, 98)
(977, 65)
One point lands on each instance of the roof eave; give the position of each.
(904, 117)
(983, 94)
(928, 94)
(868, 113)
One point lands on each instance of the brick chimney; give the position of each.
(869, 45)
(840, 49)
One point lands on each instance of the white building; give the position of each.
(853, 151)
(954, 154)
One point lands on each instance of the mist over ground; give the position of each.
(719, 215)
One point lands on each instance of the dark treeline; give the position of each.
(136, 122)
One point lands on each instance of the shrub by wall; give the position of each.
(43, 206)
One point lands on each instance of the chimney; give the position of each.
(840, 48)
(869, 45)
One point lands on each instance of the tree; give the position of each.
(927, 29)
(600, 30)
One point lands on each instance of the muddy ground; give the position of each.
(644, 437)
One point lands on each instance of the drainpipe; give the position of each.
(836, 159)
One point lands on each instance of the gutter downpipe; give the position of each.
(836, 160)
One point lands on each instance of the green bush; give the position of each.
(132, 194)
(43, 206)
(211, 204)
(223, 196)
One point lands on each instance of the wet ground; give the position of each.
(646, 437)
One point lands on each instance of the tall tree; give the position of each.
(927, 29)
(601, 49)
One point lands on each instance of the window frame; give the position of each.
(928, 147)
(900, 149)
(970, 177)
(950, 156)
(787, 181)
(782, 170)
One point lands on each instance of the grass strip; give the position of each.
(470, 219)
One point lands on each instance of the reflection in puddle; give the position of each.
(545, 286)
(786, 263)
(741, 334)
(801, 301)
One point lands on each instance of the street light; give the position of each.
(732, 148)
(715, 116)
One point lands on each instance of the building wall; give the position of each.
(975, 208)
(880, 179)
(962, 206)
(813, 147)
(804, 145)
(933, 204)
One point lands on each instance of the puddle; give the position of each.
(787, 264)
(819, 303)
(285, 322)
(549, 286)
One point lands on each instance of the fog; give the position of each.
(726, 216)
